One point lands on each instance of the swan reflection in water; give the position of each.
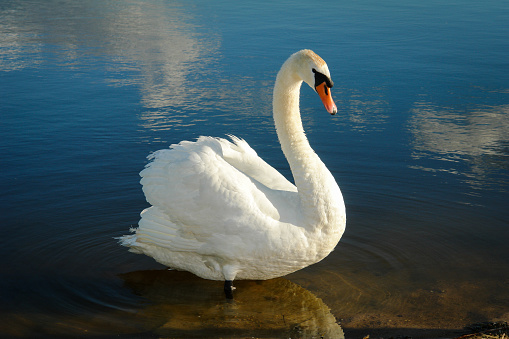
(182, 305)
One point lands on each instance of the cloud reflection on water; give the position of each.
(158, 47)
(477, 138)
(366, 111)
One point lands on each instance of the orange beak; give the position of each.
(326, 96)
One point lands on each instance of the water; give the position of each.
(419, 148)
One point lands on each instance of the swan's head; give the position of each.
(314, 71)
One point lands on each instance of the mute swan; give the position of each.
(222, 213)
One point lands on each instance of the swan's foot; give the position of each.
(228, 289)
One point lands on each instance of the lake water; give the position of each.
(420, 149)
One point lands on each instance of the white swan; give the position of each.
(222, 213)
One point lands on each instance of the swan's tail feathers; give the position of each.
(129, 241)
(156, 229)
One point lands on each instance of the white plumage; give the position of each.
(222, 213)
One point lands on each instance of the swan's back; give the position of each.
(210, 178)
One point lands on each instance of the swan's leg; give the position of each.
(228, 289)
(229, 273)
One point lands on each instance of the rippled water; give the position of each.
(419, 148)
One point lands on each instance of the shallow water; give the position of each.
(419, 149)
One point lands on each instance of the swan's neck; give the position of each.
(321, 201)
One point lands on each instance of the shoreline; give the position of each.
(486, 330)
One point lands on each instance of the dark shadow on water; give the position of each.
(403, 333)
(171, 304)
(182, 305)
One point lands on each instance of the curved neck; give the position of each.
(287, 116)
(317, 189)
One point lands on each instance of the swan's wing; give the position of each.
(198, 195)
(240, 155)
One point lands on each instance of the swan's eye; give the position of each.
(320, 78)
